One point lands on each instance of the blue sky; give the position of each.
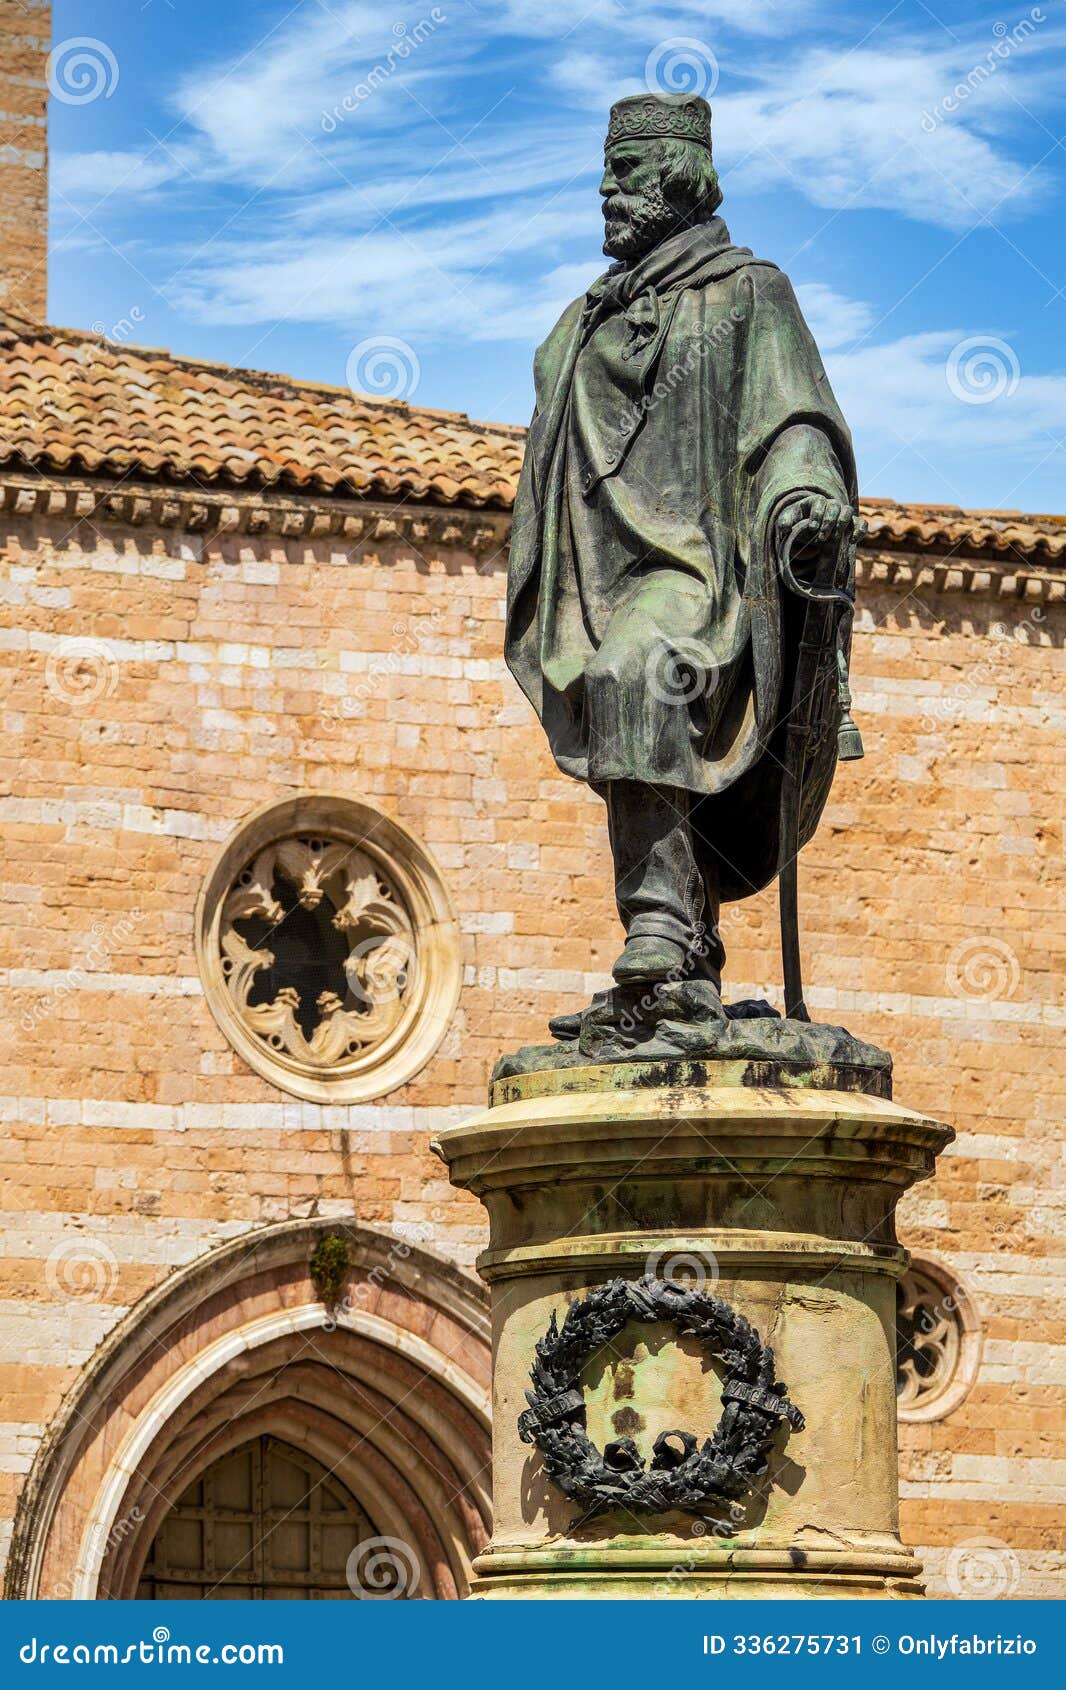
(404, 197)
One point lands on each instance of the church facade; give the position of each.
(287, 866)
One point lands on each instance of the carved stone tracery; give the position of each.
(328, 947)
(289, 901)
(938, 1342)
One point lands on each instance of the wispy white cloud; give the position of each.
(450, 199)
(467, 279)
(355, 73)
(501, 167)
(946, 400)
(644, 20)
(84, 179)
(345, 95)
(847, 133)
(878, 124)
(833, 319)
(352, 65)
(903, 391)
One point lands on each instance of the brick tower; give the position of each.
(25, 32)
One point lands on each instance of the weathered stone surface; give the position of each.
(780, 1200)
(24, 42)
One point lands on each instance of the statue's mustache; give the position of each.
(620, 207)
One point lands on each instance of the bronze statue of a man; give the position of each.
(686, 465)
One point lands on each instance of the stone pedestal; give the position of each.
(780, 1196)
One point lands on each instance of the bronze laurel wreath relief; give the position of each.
(683, 1474)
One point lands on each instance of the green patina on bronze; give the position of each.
(685, 441)
(643, 533)
(778, 1054)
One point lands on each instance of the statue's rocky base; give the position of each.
(777, 1194)
(685, 1020)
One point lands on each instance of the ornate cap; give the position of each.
(646, 117)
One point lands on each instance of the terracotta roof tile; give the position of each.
(72, 402)
(949, 528)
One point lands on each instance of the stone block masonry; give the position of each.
(25, 30)
(158, 684)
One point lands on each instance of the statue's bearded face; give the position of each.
(635, 210)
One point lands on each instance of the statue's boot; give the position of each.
(671, 924)
(648, 961)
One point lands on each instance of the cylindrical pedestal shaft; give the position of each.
(781, 1200)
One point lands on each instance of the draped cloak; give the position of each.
(679, 404)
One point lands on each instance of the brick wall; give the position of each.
(222, 671)
(25, 31)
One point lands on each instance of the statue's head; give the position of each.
(658, 173)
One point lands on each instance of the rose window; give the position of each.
(937, 1342)
(318, 952)
(329, 950)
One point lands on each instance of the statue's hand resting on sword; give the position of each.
(825, 521)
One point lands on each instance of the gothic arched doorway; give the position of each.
(383, 1397)
(265, 1522)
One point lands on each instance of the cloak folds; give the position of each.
(679, 403)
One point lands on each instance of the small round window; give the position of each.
(938, 1342)
(328, 948)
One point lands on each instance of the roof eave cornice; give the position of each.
(897, 563)
(221, 511)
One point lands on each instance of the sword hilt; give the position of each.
(840, 594)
